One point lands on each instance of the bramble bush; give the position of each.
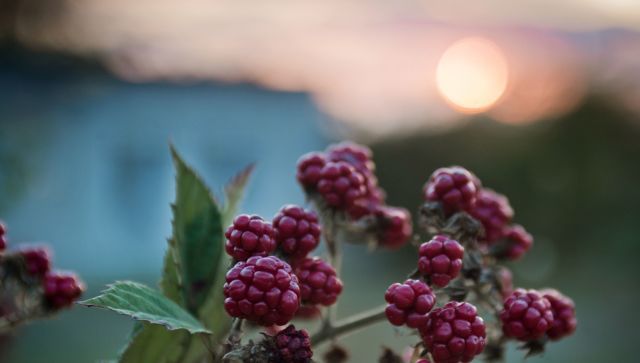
(219, 284)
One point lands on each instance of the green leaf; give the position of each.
(170, 283)
(197, 232)
(154, 344)
(234, 192)
(143, 303)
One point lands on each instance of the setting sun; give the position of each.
(472, 74)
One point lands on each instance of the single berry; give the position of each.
(504, 278)
(440, 260)
(394, 226)
(263, 290)
(341, 185)
(297, 231)
(527, 315)
(493, 211)
(319, 283)
(564, 314)
(454, 187)
(309, 167)
(294, 346)
(454, 333)
(37, 260)
(518, 242)
(62, 289)
(409, 303)
(249, 236)
(359, 156)
(3, 238)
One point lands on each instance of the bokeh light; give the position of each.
(472, 74)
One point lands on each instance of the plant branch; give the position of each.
(349, 325)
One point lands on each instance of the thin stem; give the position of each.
(349, 325)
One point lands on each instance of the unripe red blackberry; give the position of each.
(409, 303)
(493, 211)
(394, 226)
(519, 241)
(454, 187)
(454, 333)
(527, 315)
(341, 185)
(263, 290)
(564, 314)
(297, 231)
(309, 167)
(37, 260)
(3, 238)
(294, 346)
(61, 289)
(440, 260)
(249, 236)
(319, 283)
(359, 156)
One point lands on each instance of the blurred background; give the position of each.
(540, 98)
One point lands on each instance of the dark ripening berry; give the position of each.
(249, 236)
(409, 303)
(319, 283)
(341, 185)
(527, 315)
(518, 240)
(309, 167)
(454, 187)
(61, 289)
(262, 290)
(494, 212)
(564, 314)
(37, 260)
(297, 231)
(394, 226)
(454, 333)
(3, 237)
(359, 156)
(440, 260)
(294, 346)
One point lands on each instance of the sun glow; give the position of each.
(472, 74)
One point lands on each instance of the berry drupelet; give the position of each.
(262, 290)
(249, 236)
(61, 289)
(409, 303)
(440, 260)
(454, 187)
(297, 231)
(293, 346)
(527, 315)
(454, 333)
(319, 283)
(564, 314)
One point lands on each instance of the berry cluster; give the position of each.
(458, 190)
(263, 290)
(59, 289)
(249, 236)
(440, 260)
(527, 315)
(319, 283)
(343, 177)
(297, 231)
(454, 333)
(293, 346)
(409, 303)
